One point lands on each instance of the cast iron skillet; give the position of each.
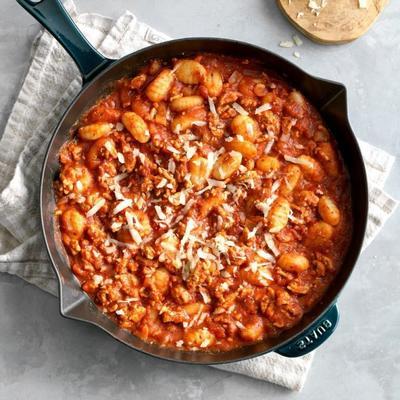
(98, 73)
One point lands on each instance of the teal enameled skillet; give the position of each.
(98, 74)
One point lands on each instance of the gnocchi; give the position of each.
(136, 126)
(159, 88)
(190, 72)
(226, 165)
(95, 131)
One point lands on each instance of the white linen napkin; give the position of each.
(49, 86)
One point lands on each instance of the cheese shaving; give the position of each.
(160, 213)
(171, 166)
(199, 123)
(120, 177)
(133, 232)
(79, 186)
(122, 244)
(122, 205)
(212, 106)
(286, 44)
(261, 109)
(162, 183)
(191, 152)
(266, 256)
(121, 158)
(239, 109)
(96, 208)
(215, 183)
(173, 150)
(269, 240)
(297, 40)
(205, 295)
(268, 147)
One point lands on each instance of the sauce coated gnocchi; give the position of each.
(203, 203)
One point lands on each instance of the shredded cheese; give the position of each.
(286, 44)
(122, 205)
(239, 109)
(269, 240)
(212, 106)
(261, 109)
(121, 158)
(173, 150)
(133, 232)
(96, 208)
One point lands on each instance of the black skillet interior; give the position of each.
(328, 97)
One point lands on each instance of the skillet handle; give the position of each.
(53, 16)
(313, 337)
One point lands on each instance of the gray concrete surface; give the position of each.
(44, 356)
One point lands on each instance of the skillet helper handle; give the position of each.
(313, 337)
(53, 16)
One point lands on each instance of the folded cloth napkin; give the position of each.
(50, 85)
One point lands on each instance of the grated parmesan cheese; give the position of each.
(162, 183)
(212, 106)
(266, 256)
(191, 151)
(121, 158)
(173, 150)
(268, 147)
(79, 186)
(160, 213)
(286, 44)
(120, 177)
(261, 109)
(171, 166)
(133, 232)
(122, 205)
(239, 109)
(297, 40)
(96, 208)
(269, 240)
(199, 123)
